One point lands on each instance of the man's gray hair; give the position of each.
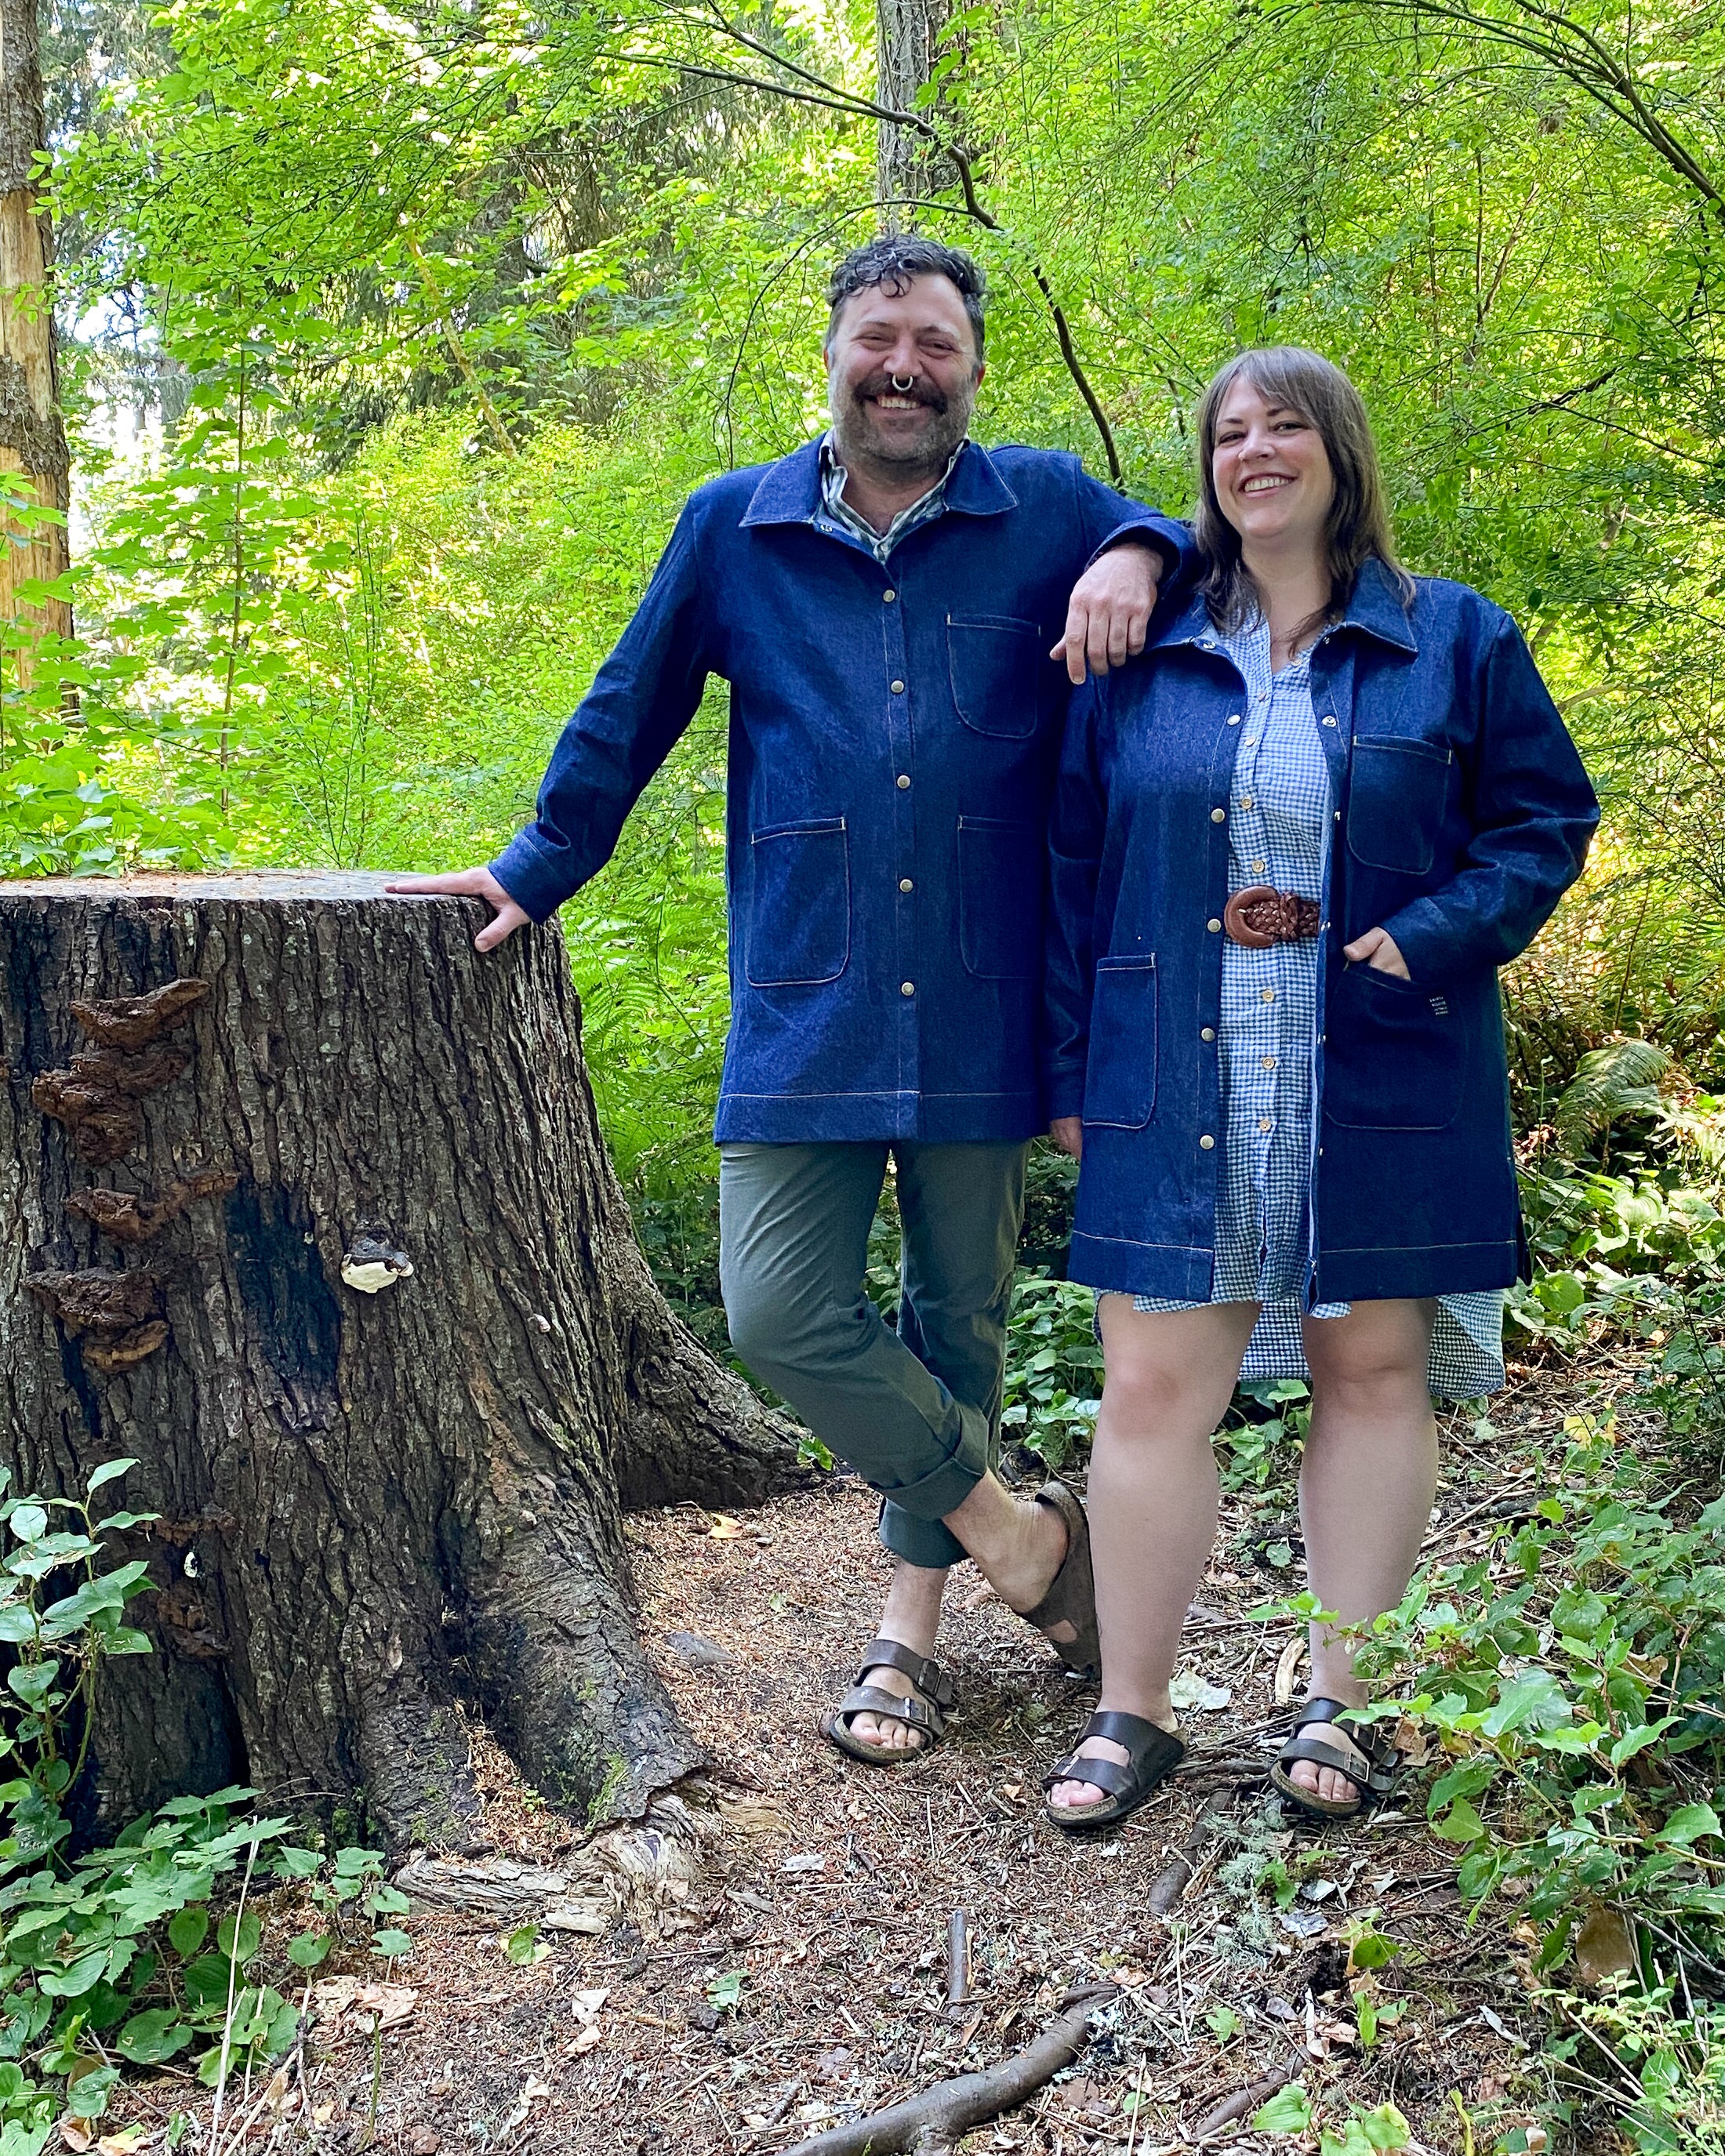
(891, 261)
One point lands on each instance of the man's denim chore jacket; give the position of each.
(894, 728)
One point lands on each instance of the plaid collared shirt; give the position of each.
(880, 544)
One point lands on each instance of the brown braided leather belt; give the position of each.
(1262, 915)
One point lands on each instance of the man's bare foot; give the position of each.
(912, 1617)
(1079, 1796)
(1018, 1545)
(888, 1736)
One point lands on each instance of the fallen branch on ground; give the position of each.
(933, 2123)
(1171, 1882)
(1245, 2101)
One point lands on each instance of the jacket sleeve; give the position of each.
(1534, 812)
(1110, 517)
(641, 700)
(1077, 825)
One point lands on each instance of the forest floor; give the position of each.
(808, 1977)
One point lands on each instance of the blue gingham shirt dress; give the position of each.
(1279, 828)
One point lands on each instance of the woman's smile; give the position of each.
(1271, 471)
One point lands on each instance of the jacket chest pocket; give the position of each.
(1392, 1053)
(1120, 1076)
(799, 905)
(1396, 791)
(999, 898)
(995, 663)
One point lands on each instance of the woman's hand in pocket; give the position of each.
(1377, 948)
(1067, 1132)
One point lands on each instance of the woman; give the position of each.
(1292, 844)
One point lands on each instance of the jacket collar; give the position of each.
(1374, 608)
(789, 491)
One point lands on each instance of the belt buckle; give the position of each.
(1257, 898)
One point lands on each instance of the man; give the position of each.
(881, 602)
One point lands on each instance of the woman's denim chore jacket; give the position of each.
(1463, 814)
(894, 731)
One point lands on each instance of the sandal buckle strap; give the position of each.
(929, 1678)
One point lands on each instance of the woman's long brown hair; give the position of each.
(1357, 528)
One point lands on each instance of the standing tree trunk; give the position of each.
(304, 1204)
(34, 460)
(907, 36)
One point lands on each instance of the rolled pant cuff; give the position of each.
(945, 1488)
(929, 1544)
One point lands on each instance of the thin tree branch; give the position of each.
(933, 2123)
(1574, 52)
(831, 95)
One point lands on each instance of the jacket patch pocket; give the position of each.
(1392, 1053)
(996, 665)
(799, 905)
(1120, 1078)
(999, 899)
(1396, 794)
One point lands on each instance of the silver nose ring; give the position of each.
(904, 388)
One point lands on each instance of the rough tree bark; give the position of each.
(304, 1204)
(907, 36)
(33, 439)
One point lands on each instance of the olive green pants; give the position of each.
(916, 1413)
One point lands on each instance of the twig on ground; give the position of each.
(957, 1961)
(1171, 1882)
(1245, 2101)
(933, 2123)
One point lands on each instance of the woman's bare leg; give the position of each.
(1367, 1485)
(1152, 1498)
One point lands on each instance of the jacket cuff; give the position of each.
(1065, 1094)
(1173, 541)
(536, 882)
(1427, 941)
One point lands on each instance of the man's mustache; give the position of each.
(882, 384)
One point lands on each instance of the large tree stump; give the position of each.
(303, 1204)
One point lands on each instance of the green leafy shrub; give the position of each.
(1577, 1705)
(1053, 1368)
(121, 1952)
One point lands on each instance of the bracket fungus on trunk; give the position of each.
(378, 1512)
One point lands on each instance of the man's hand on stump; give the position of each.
(472, 883)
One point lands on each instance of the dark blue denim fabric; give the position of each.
(894, 730)
(1464, 814)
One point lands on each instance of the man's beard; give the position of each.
(860, 441)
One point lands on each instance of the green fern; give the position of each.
(1610, 1084)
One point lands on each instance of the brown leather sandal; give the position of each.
(1376, 1746)
(1071, 1596)
(927, 1714)
(1152, 1754)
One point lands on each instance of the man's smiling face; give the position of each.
(919, 335)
